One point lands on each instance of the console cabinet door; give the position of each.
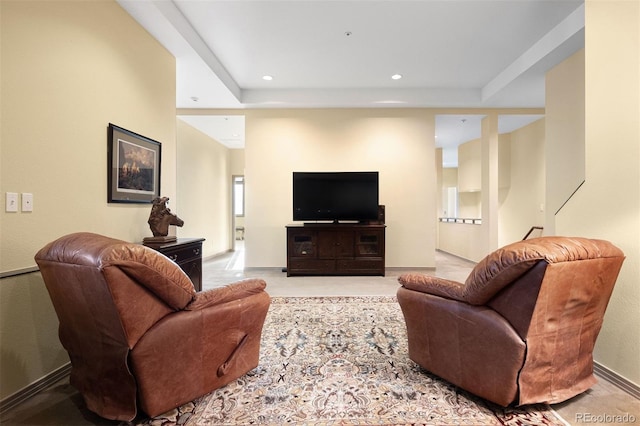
(369, 243)
(344, 244)
(335, 244)
(302, 244)
(303, 258)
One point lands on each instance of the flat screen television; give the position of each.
(335, 196)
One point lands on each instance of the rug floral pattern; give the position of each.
(343, 361)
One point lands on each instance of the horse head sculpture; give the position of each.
(161, 217)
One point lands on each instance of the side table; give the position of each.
(187, 253)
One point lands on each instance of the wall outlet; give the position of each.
(27, 202)
(11, 202)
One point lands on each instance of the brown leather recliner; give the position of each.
(138, 333)
(522, 328)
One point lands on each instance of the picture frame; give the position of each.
(133, 171)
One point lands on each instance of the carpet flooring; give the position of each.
(342, 361)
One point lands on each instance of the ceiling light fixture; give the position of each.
(267, 77)
(396, 76)
(390, 102)
(195, 99)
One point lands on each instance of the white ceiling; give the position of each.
(334, 53)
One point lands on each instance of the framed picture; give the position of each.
(134, 167)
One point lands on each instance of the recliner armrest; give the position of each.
(433, 285)
(233, 291)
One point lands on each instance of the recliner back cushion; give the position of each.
(508, 263)
(154, 271)
(138, 307)
(517, 301)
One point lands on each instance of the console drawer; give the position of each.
(367, 266)
(311, 266)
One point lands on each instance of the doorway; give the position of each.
(237, 222)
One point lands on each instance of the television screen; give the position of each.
(335, 196)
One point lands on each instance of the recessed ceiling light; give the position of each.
(390, 102)
(195, 99)
(396, 76)
(267, 77)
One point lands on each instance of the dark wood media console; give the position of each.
(335, 249)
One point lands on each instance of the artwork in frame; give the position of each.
(134, 167)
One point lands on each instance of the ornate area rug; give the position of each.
(343, 361)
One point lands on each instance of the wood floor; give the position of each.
(60, 404)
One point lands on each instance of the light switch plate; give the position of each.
(11, 202)
(27, 202)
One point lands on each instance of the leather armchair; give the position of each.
(522, 328)
(136, 331)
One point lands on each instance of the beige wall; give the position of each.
(470, 166)
(470, 180)
(608, 204)
(504, 160)
(65, 74)
(522, 200)
(565, 127)
(449, 179)
(237, 161)
(461, 239)
(449, 176)
(397, 143)
(69, 69)
(204, 185)
(470, 205)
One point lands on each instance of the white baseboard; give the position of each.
(617, 380)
